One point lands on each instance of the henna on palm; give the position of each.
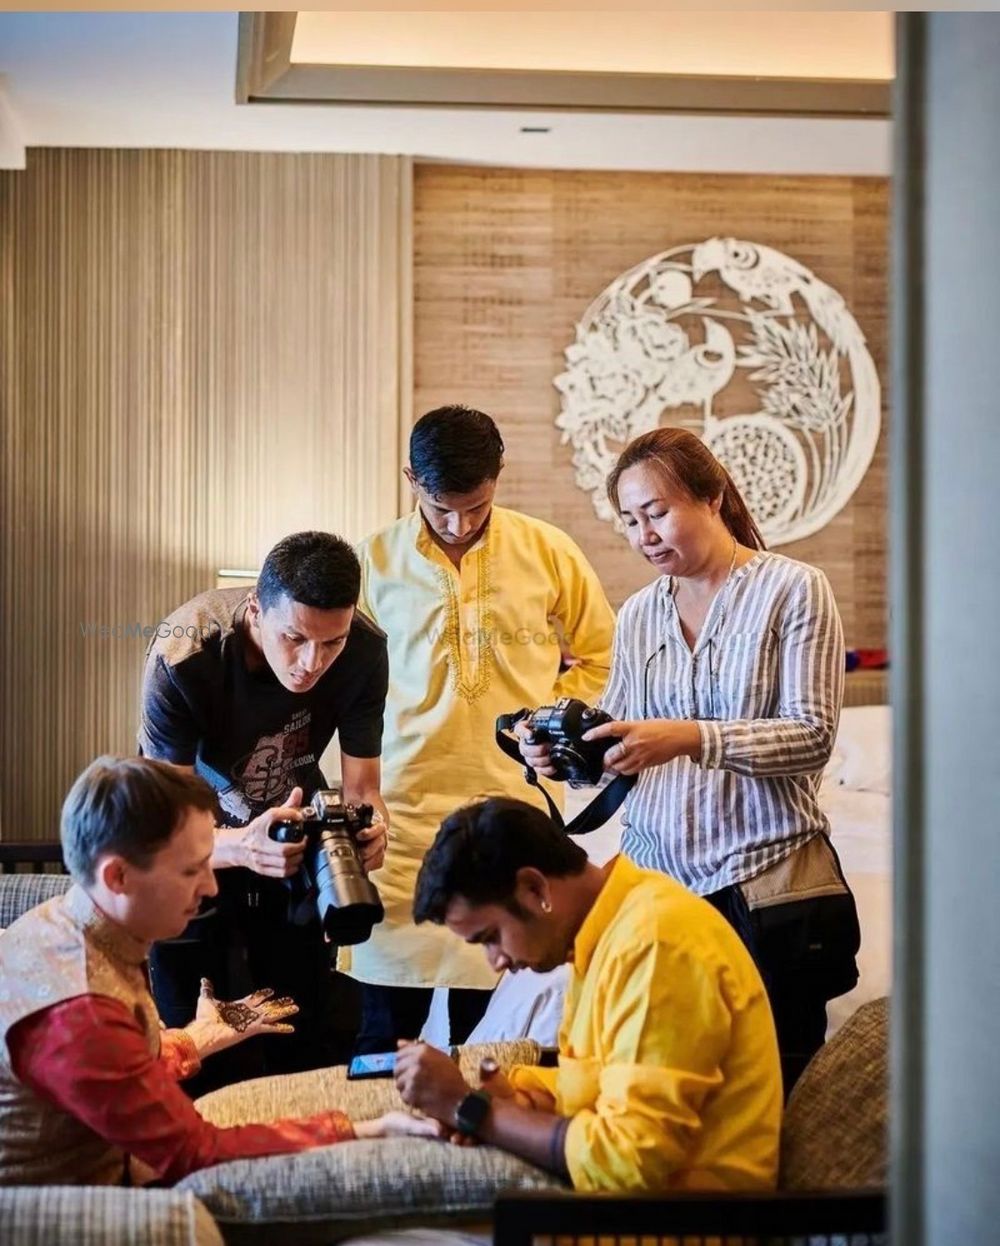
(236, 1015)
(241, 1014)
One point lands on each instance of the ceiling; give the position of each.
(166, 79)
(845, 45)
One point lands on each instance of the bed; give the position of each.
(855, 794)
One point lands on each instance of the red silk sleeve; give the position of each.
(179, 1054)
(89, 1057)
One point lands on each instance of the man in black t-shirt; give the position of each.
(248, 689)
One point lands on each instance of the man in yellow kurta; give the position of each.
(668, 1074)
(482, 607)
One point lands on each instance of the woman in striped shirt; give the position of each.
(726, 685)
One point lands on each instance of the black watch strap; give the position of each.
(472, 1111)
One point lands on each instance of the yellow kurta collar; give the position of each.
(426, 545)
(112, 938)
(622, 877)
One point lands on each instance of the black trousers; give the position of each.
(805, 951)
(244, 941)
(389, 1013)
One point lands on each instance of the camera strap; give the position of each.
(607, 801)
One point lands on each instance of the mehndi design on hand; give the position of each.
(260, 1006)
(238, 1016)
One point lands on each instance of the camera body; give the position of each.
(331, 881)
(576, 761)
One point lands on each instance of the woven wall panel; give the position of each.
(202, 352)
(507, 260)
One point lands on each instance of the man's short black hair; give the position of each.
(455, 450)
(313, 568)
(129, 806)
(479, 849)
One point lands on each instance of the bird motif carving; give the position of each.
(754, 272)
(701, 372)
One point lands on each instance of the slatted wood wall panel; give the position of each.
(201, 353)
(507, 260)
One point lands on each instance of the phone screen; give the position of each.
(376, 1064)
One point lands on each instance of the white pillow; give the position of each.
(861, 760)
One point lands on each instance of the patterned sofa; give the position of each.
(833, 1140)
(320, 1196)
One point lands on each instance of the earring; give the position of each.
(546, 907)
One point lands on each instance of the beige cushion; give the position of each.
(834, 1133)
(61, 1215)
(331, 1193)
(302, 1094)
(336, 1192)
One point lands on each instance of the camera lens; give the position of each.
(348, 904)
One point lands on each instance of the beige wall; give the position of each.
(201, 352)
(204, 351)
(507, 260)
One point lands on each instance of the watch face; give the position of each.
(472, 1111)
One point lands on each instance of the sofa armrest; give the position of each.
(74, 1215)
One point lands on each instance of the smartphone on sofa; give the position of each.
(374, 1064)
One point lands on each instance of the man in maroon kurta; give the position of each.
(89, 1078)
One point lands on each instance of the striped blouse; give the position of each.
(765, 683)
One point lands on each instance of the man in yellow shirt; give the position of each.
(668, 1074)
(485, 610)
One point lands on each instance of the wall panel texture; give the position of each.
(201, 352)
(507, 260)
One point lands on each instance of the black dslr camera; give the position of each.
(331, 880)
(578, 762)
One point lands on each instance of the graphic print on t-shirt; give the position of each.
(267, 774)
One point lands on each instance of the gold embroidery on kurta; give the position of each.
(470, 651)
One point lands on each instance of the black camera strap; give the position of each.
(606, 803)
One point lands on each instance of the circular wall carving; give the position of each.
(690, 333)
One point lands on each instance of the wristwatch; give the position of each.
(472, 1111)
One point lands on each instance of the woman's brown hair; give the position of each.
(688, 465)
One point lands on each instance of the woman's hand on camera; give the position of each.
(652, 742)
(535, 755)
